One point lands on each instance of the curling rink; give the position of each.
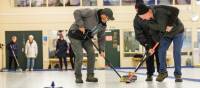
(47, 35)
(107, 79)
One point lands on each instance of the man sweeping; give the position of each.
(165, 19)
(146, 38)
(88, 22)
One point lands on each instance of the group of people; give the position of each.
(31, 52)
(153, 25)
(63, 49)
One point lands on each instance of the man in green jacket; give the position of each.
(165, 19)
(88, 22)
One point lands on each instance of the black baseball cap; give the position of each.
(138, 2)
(108, 12)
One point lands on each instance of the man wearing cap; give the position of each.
(88, 20)
(165, 19)
(145, 36)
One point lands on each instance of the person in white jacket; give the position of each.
(31, 51)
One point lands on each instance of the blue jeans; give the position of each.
(164, 45)
(30, 63)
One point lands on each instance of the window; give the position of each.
(149, 2)
(128, 2)
(55, 3)
(198, 38)
(198, 2)
(187, 42)
(52, 38)
(22, 3)
(38, 3)
(111, 2)
(182, 2)
(72, 3)
(165, 2)
(66, 3)
(89, 2)
(130, 44)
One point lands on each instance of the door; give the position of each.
(112, 46)
(22, 37)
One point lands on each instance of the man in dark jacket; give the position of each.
(88, 22)
(144, 35)
(165, 19)
(12, 52)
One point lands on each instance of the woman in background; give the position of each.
(31, 51)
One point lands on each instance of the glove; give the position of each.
(147, 46)
(90, 33)
(169, 28)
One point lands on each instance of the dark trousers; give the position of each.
(61, 62)
(11, 60)
(71, 56)
(77, 47)
(150, 63)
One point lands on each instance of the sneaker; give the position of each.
(66, 69)
(79, 79)
(161, 76)
(18, 70)
(149, 78)
(27, 70)
(178, 78)
(91, 78)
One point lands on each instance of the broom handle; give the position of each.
(146, 55)
(14, 56)
(110, 64)
(155, 46)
